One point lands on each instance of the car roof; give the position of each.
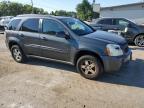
(111, 18)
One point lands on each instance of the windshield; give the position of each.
(77, 26)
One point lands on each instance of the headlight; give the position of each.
(114, 50)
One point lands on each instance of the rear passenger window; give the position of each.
(30, 25)
(106, 22)
(14, 24)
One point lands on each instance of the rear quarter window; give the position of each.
(14, 24)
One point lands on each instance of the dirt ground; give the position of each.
(46, 84)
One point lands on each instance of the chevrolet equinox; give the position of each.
(66, 40)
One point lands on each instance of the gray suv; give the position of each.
(131, 31)
(67, 40)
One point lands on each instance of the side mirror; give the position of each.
(5, 27)
(63, 34)
(129, 26)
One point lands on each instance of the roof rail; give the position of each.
(33, 15)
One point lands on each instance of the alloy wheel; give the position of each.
(139, 41)
(88, 67)
(17, 54)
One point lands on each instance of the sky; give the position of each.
(70, 5)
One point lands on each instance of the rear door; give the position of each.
(106, 24)
(29, 34)
(53, 46)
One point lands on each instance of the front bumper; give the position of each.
(112, 64)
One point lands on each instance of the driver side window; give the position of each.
(122, 23)
(52, 27)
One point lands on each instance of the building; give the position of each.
(134, 12)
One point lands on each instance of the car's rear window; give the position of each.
(14, 24)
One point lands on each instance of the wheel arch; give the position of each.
(15, 42)
(86, 52)
(138, 35)
(11, 43)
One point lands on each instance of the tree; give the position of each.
(84, 10)
(63, 13)
(13, 9)
(27, 9)
(52, 13)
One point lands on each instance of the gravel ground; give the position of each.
(46, 84)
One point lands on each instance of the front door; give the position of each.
(125, 28)
(53, 46)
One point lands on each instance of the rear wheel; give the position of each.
(139, 41)
(89, 67)
(18, 54)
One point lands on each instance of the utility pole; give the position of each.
(32, 6)
(93, 1)
(96, 9)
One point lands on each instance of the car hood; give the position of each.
(106, 37)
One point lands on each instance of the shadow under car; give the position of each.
(131, 74)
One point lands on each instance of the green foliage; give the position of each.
(13, 9)
(63, 13)
(84, 10)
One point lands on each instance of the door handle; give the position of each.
(44, 38)
(22, 35)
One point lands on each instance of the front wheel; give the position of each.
(89, 67)
(139, 41)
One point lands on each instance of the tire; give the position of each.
(18, 54)
(89, 67)
(139, 41)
